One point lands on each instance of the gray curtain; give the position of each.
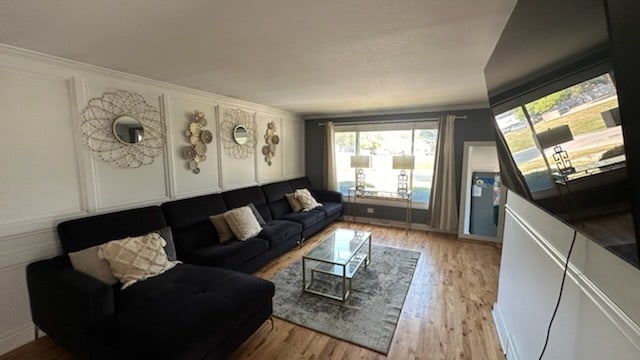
(330, 180)
(443, 206)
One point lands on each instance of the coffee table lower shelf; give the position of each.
(342, 272)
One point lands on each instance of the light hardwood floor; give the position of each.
(446, 315)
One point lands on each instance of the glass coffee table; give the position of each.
(327, 270)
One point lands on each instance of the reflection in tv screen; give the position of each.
(568, 151)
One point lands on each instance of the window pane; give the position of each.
(381, 146)
(345, 146)
(425, 152)
(582, 121)
(519, 137)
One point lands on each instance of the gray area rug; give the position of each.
(369, 316)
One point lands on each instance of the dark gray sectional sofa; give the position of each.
(197, 241)
(201, 309)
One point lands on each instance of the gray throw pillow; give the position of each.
(170, 248)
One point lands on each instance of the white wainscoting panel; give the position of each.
(40, 177)
(16, 252)
(237, 173)
(121, 187)
(15, 328)
(589, 323)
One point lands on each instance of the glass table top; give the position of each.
(339, 247)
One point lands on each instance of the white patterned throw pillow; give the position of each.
(306, 199)
(137, 258)
(243, 222)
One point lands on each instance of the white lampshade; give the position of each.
(360, 161)
(404, 162)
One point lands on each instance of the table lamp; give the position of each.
(403, 163)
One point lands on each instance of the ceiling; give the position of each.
(310, 57)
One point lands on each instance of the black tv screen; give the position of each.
(566, 152)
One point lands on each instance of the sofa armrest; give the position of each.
(65, 302)
(327, 195)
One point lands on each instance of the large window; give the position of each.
(570, 134)
(382, 142)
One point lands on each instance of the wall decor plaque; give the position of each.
(271, 140)
(198, 137)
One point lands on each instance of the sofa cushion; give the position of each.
(242, 197)
(306, 218)
(86, 232)
(136, 258)
(300, 183)
(330, 208)
(229, 255)
(277, 231)
(276, 191)
(242, 222)
(189, 221)
(185, 312)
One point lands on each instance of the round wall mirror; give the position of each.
(127, 129)
(240, 134)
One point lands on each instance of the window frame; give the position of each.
(403, 125)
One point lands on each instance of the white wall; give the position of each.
(599, 314)
(48, 174)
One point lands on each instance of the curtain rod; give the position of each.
(345, 123)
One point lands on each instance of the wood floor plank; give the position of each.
(446, 315)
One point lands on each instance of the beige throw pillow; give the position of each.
(306, 199)
(222, 227)
(88, 262)
(137, 258)
(295, 203)
(242, 222)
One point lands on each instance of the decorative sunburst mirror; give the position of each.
(122, 129)
(237, 133)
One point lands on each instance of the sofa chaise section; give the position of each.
(187, 312)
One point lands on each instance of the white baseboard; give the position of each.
(393, 223)
(508, 348)
(16, 338)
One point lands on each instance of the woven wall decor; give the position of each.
(123, 129)
(198, 138)
(271, 140)
(231, 119)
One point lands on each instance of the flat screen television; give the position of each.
(563, 86)
(566, 152)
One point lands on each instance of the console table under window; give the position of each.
(355, 194)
